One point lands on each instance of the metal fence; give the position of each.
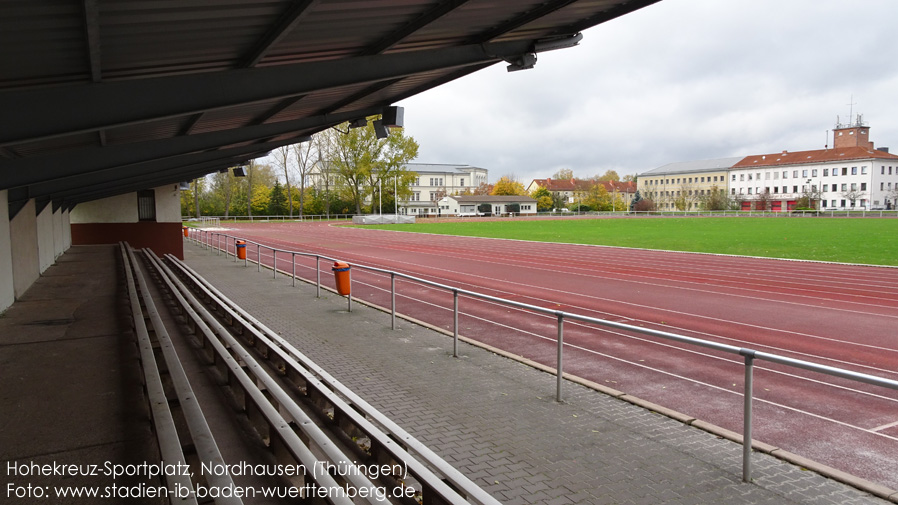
(222, 242)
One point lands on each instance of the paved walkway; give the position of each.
(70, 382)
(496, 420)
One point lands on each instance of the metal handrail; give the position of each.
(204, 237)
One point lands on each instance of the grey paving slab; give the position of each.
(496, 420)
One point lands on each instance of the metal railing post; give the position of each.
(455, 323)
(317, 277)
(259, 257)
(393, 300)
(349, 296)
(559, 363)
(747, 414)
(293, 262)
(274, 263)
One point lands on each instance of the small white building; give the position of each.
(850, 175)
(470, 205)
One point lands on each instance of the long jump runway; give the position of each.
(836, 315)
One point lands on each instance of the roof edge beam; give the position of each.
(35, 114)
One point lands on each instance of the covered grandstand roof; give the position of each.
(106, 97)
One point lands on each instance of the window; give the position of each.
(835, 188)
(766, 176)
(853, 170)
(417, 181)
(785, 189)
(843, 203)
(853, 186)
(814, 173)
(749, 191)
(776, 190)
(804, 173)
(462, 182)
(741, 177)
(776, 175)
(844, 187)
(834, 204)
(795, 189)
(844, 172)
(864, 170)
(825, 172)
(882, 186)
(785, 174)
(734, 177)
(795, 174)
(146, 205)
(882, 170)
(863, 186)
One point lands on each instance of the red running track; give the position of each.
(837, 315)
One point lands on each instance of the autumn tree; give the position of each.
(609, 176)
(507, 185)
(362, 160)
(564, 174)
(483, 189)
(543, 197)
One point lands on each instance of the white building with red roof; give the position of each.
(853, 174)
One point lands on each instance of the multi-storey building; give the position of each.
(850, 175)
(685, 185)
(432, 182)
(435, 181)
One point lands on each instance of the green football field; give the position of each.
(869, 241)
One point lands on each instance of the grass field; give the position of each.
(869, 241)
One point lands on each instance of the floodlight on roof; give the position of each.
(359, 123)
(523, 62)
(240, 171)
(393, 116)
(381, 130)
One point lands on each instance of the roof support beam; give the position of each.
(92, 33)
(412, 27)
(28, 171)
(96, 106)
(287, 22)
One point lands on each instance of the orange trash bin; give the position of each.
(185, 230)
(342, 277)
(241, 249)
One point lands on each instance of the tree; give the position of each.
(282, 155)
(853, 194)
(716, 199)
(508, 186)
(303, 154)
(564, 174)
(362, 160)
(597, 197)
(277, 200)
(629, 178)
(609, 176)
(543, 199)
(483, 189)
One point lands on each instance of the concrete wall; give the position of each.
(25, 255)
(115, 209)
(7, 291)
(115, 219)
(46, 247)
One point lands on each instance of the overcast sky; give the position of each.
(676, 81)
